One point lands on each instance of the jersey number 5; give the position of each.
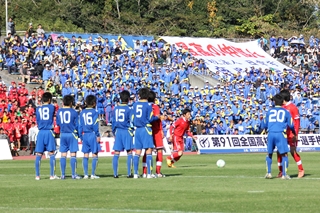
(139, 111)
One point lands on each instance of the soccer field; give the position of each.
(196, 185)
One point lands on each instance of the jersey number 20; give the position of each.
(277, 116)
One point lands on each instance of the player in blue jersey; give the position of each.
(123, 133)
(68, 121)
(90, 135)
(142, 117)
(276, 122)
(45, 138)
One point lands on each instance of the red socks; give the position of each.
(175, 157)
(144, 163)
(279, 162)
(159, 162)
(297, 158)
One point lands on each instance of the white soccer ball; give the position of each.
(221, 163)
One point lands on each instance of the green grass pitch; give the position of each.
(196, 185)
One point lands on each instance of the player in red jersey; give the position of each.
(290, 137)
(177, 130)
(157, 134)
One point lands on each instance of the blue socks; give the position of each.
(73, 164)
(129, 163)
(149, 163)
(52, 164)
(63, 163)
(136, 160)
(94, 165)
(37, 164)
(285, 163)
(85, 162)
(269, 162)
(115, 161)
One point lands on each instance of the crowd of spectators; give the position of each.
(101, 67)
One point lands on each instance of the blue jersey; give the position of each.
(122, 115)
(68, 120)
(44, 115)
(277, 120)
(89, 122)
(142, 114)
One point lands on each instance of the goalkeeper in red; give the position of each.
(177, 130)
(294, 112)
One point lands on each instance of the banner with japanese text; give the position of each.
(249, 143)
(106, 145)
(225, 56)
(127, 41)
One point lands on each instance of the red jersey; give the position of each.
(180, 127)
(30, 111)
(40, 92)
(294, 112)
(23, 91)
(22, 100)
(156, 125)
(24, 130)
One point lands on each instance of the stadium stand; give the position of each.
(104, 65)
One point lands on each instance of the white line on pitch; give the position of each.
(95, 209)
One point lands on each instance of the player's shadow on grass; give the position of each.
(172, 175)
(194, 165)
(105, 176)
(296, 175)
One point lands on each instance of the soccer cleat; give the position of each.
(130, 176)
(169, 163)
(136, 176)
(301, 174)
(37, 177)
(279, 175)
(144, 175)
(86, 177)
(268, 176)
(115, 176)
(76, 177)
(94, 177)
(285, 177)
(151, 176)
(54, 177)
(160, 175)
(173, 166)
(63, 177)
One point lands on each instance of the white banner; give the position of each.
(5, 153)
(223, 55)
(106, 145)
(249, 143)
